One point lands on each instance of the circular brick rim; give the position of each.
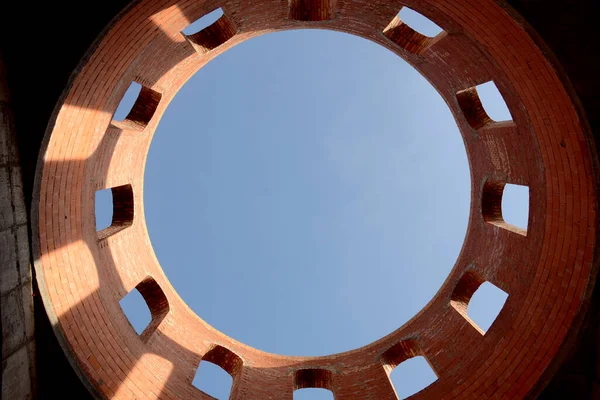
(547, 271)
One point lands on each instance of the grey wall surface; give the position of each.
(16, 301)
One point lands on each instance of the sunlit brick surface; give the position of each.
(82, 277)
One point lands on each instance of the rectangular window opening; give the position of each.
(408, 369)
(127, 102)
(412, 31)
(483, 105)
(136, 310)
(210, 31)
(419, 23)
(411, 376)
(145, 307)
(477, 300)
(113, 210)
(217, 371)
(492, 101)
(515, 206)
(136, 108)
(203, 22)
(485, 305)
(104, 209)
(213, 380)
(506, 206)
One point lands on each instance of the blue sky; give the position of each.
(306, 193)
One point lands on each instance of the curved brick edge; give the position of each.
(34, 213)
(593, 145)
(321, 359)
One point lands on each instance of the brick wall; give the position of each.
(546, 273)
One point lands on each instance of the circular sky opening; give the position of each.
(307, 192)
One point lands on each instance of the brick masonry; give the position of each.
(547, 272)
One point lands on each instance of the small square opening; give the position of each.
(486, 304)
(128, 101)
(203, 22)
(136, 310)
(477, 300)
(136, 108)
(145, 307)
(213, 380)
(104, 209)
(419, 23)
(210, 31)
(412, 31)
(483, 105)
(113, 210)
(493, 102)
(515, 205)
(412, 376)
(506, 206)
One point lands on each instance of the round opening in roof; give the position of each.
(307, 192)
